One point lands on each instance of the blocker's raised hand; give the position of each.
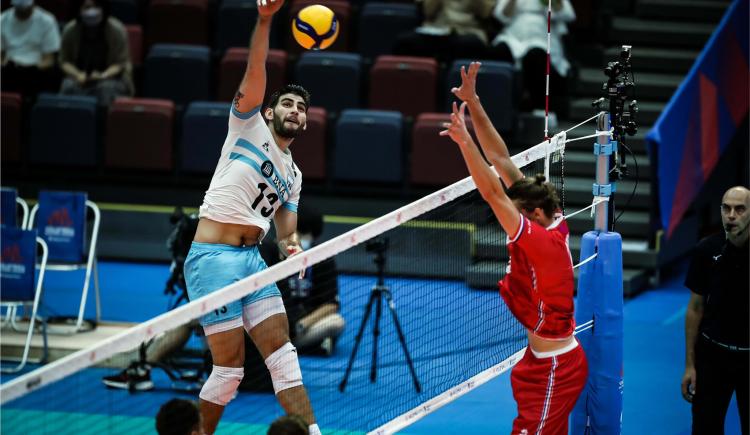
(468, 89)
(456, 129)
(267, 8)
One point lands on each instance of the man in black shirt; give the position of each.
(716, 324)
(311, 302)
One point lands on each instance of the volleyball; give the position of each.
(315, 27)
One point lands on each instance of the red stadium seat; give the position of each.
(435, 160)
(417, 84)
(232, 68)
(10, 134)
(135, 42)
(178, 22)
(139, 134)
(341, 8)
(309, 148)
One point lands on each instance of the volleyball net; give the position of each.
(436, 338)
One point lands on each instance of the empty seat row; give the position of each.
(363, 146)
(181, 73)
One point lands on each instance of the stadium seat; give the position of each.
(59, 8)
(125, 10)
(232, 68)
(10, 134)
(495, 83)
(62, 221)
(51, 119)
(177, 22)
(204, 129)
(18, 283)
(235, 22)
(9, 203)
(309, 148)
(435, 160)
(318, 70)
(417, 84)
(139, 134)
(381, 23)
(342, 10)
(368, 146)
(180, 73)
(135, 44)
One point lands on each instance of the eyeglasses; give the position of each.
(738, 209)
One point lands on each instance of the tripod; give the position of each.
(377, 293)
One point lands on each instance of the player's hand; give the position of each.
(456, 129)
(292, 250)
(266, 8)
(688, 384)
(468, 89)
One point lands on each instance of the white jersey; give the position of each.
(253, 178)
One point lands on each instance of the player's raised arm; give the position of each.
(487, 183)
(253, 86)
(492, 143)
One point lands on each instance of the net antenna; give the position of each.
(379, 246)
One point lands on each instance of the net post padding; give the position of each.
(600, 297)
(133, 337)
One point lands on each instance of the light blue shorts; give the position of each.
(212, 266)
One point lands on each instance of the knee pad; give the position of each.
(222, 384)
(283, 366)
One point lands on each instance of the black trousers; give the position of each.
(719, 372)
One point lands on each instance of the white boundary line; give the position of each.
(133, 337)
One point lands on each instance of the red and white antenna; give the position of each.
(546, 95)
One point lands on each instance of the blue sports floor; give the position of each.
(654, 355)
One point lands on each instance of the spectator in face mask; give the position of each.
(30, 39)
(95, 55)
(311, 302)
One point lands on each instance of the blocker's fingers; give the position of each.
(462, 111)
(444, 133)
(463, 73)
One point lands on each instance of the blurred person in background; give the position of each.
(288, 425)
(30, 40)
(523, 41)
(95, 56)
(451, 29)
(312, 303)
(179, 417)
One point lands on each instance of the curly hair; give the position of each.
(532, 193)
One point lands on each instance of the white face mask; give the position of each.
(91, 16)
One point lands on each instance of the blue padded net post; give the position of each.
(600, 297)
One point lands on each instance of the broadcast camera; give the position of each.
(619, 87)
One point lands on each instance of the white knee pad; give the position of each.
(284, 368)
(222, 384)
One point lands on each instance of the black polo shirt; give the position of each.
(719, 272)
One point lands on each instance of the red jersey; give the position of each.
(538, 284)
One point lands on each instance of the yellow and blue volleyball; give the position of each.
(315, 27)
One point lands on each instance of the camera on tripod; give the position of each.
(377, 245)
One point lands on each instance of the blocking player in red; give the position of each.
(538, 284)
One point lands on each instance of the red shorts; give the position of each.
(546, 390)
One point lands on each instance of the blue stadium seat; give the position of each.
(204, 128)
(381, 23)
(369, 146)
(235, 22)
(318, 71)
(180, 73)
(63, 130)
(495, 84)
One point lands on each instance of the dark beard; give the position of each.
(286, 133)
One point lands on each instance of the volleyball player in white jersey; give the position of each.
(255, 181)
